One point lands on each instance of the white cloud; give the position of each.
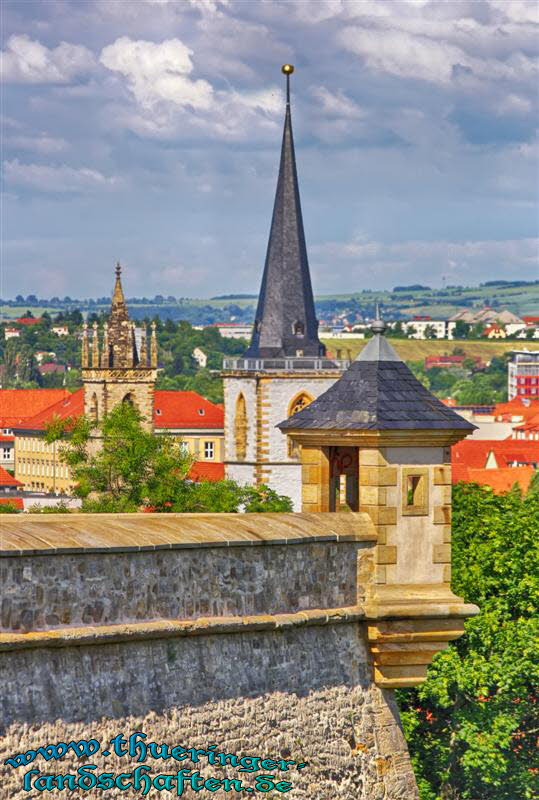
(421, 57)
(168, 102)
(337, 103)
(63, 179)
(464, 262)
(39, 144)
(28, 61)
(158, 72)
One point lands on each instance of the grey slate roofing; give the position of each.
(377, 392)
(285, 320)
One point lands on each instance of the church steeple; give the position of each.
(285, 321)
(121, 342)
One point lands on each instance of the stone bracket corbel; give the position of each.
(407, 627)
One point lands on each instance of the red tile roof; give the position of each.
(72, 405)
(180, 410)
(207, 471)
(531, 423)
(52, 369)
(8, 480)
(7, 438)
(186, 410)
(519, 408)
(499, 480)
(28, 321)
(17, 502)
(473, 453)
(17, 405)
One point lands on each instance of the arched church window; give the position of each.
(240, 428)
(129, 400)
(94, 409)
(300, 401)
(298, 328)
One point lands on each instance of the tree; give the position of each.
(133, 469)
(472, 726)
(430, 332)
(461, 330)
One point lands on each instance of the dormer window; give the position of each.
(298, 329)
(158, 412)
(201, 412)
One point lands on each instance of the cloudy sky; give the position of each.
(149, 131)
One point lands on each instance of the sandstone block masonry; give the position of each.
(245, 631)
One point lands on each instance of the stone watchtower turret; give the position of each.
(379, 442)
(285, 366)
(114, 369)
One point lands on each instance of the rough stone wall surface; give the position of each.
(111, 390)
(41, 592)
(301, 694)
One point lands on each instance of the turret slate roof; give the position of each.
(377, 392)
(285, 320)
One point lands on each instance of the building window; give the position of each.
(415, 491)
(94, 410)
(208, 449)
(298, 329)
(302, 400)
(201, 412)
(240, 428)
(6, 452)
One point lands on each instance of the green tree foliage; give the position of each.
(9, 508)
(131, 469)
(20, 365)
(461, 330)
(472, 726)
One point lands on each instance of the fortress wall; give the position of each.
(280, 682)
(44, 592)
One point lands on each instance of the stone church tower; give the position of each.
(285, 366)
(113, 369)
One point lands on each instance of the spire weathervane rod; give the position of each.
(287, 69)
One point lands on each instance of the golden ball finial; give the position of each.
(287, 69)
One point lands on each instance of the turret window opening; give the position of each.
(298, 329)
(415, 491)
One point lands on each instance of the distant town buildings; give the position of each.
(229, 330)
(426, 328)
(523, 374)
(200, 357)
(114, 371)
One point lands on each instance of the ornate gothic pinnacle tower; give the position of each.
(285, 321)
(119, 373)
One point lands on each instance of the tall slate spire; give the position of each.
(285, 321)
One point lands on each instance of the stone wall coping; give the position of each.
(59, 534)
(168, 628)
